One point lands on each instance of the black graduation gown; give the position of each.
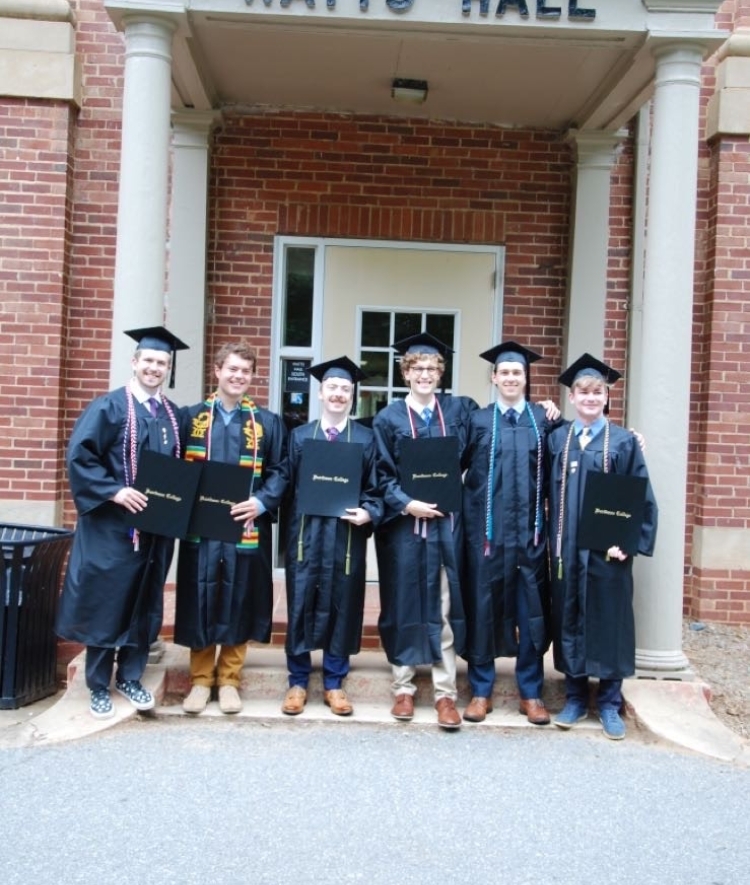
(514, 562)
(592, 601)
(112, 594)
(409, 562)
(225, 595)
(324, 603)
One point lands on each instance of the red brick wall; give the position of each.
(94, 215)
(35, 170)
(718, 485)
(619, 270)
(722, 442)
(370, 178)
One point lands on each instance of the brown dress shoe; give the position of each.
(448, 714)
(478, 709)
(403, 708)
(534, 710)
(294, 701)
(336, 699)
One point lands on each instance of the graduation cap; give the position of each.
(341, 367)
(512, 352)
(158, 338)
(422, 343)
(589, 366)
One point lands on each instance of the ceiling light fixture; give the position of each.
(411, 91)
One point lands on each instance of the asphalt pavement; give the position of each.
(248, 800)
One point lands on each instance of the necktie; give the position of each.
(512, 416)
(153, 406)
(426, 415)
(585, 438)
(332, 433)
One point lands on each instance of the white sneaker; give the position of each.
(229, 699)
(196, 701)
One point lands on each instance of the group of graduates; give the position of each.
(502, 576)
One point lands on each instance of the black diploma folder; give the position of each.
(429, 471)
(330, 477)
(170, 485)
(613, 510)
(221, 487)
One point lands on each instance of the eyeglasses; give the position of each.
(425, 370)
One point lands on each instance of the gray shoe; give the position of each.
(229, 699)
(197, 700)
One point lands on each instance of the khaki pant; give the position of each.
(206, 669)
(443, 673)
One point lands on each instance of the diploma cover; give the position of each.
(330, 477)
(170, 485)
(614, 506)
(221, 487)
(429, 471)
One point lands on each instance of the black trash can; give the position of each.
(33, 559)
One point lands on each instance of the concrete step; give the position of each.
(674, 711)
(368, 686)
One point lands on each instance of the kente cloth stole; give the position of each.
(198, 448)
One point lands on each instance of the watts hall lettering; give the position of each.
(543, 8)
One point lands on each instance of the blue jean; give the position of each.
(529, 662)
(608, 694)
(335, 670)
(131, 662)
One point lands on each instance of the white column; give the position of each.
(186, 297)
(140, 263)
(663, 397)
(587, 290)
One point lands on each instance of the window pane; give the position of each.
(442, 326)
(298, 297)
(376, 366)
(406, 324)
(376, 328)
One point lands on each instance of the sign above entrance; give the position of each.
(544, 9)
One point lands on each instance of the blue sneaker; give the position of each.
(614, 727)
(139, 697)
(572, 712)
(101, 704)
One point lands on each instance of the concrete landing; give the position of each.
(675, 712)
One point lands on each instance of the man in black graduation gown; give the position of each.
(592, 590)
(506, 585)
(112, 595)
(225, 590)
(419, 548)
(326, 556)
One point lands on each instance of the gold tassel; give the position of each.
(347, 567)
(300, 546)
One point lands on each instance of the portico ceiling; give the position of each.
(511, 71)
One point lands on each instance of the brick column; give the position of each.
(40, 91)
(720, 560)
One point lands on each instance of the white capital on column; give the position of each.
(140, 263)
(663, 408)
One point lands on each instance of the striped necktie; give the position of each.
(153, 406)
(426, 415)
(585, 438)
